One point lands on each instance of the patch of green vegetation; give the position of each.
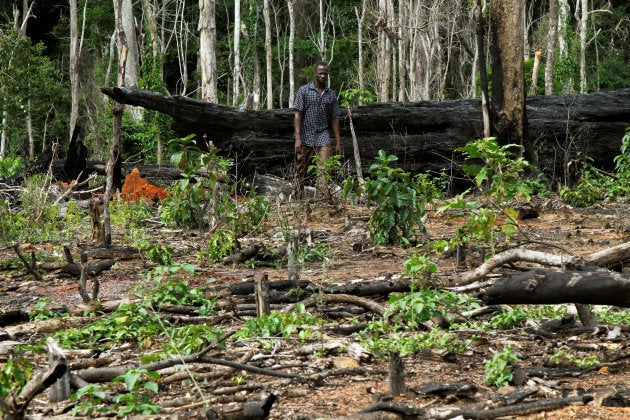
(281, 324)
(562, 356)
(498, 371)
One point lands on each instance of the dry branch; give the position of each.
(341, 298)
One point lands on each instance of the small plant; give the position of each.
(221, 244)
(240, 379)
(192, 338)
(509, 319)
(160, 254)
(562, 356)
(90, 400)
(14, 375)
(280, 324)
(40, 311)
(498, 371)
(397, 208)
(136, 401)
(419, 269)
(10, 166)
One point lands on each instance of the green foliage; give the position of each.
(205, 201)
(397, 208)
(169, 289)
(40, 311)
(191, 338)
(30, 85)
(407, 344)
(38, 219)
(419, 269)
(221, 244)
(130, 322)
(90, 400)
(136, 401)
(509, 319)
(353, 97)
(14, 375)
(317, 251)
(562, 357)
(280, 324)
(10, 166)
(326, 172)
(498, 371)
(407, 311)
(622, 161)
(129, 215)
(497, 172)
(591, 187)
(613, 315)
(160, 254)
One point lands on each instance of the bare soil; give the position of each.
(364, 383)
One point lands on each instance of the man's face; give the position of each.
(321, 75)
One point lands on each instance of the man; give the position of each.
(316, 117)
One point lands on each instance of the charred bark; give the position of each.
(422, 134)
(543, 286)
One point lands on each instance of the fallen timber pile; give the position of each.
(539, 388)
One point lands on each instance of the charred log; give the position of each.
(422, 134)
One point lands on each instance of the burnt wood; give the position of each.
(544, 286)
(424, 135)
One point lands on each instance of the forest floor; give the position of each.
(350, 386)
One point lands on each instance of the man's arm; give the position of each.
(334, 125)
(297, 126)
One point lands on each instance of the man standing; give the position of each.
(316, 116)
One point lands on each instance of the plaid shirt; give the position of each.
(317, 111)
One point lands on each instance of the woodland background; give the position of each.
(55, 55)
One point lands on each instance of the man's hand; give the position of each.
(338, 150)
(298, 145)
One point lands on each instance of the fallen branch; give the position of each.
(369, 305)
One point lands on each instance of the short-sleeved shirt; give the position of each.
(317, 111)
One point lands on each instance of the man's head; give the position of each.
(321, 74)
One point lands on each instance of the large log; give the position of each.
(422, 134)
(546, 286)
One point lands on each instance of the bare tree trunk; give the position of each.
(133, 54)
(508, 90)
(483, 75)
(290, 4)
(207, 51)
(266, 17)
(551, 46)
(73, 70)
(236, 74)
(563, 49)
(582, 33)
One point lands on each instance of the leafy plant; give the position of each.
(160, 254)
(397, 209)
(496, 171)
(419, 269)
(90, 400)
(10, 166)
(40, 311)
(325, 172)
(136, 401)
(406, 344)
(221, 244)
(191, 338)
(498, 371)
(509, 319)
(14, 375)
(562, 356)
(280, 324)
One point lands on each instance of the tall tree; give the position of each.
(236, 74)
(552, 40)
(268, 62)
(207, 50)
(508, 87)
(73, 68)
(291, 10)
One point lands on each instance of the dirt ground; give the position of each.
(577, 231)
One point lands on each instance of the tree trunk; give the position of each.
(551, 46)
(290, 4)
(268, 61)
(207, 51)
(73, 69)
(236, 74)
(508, 91)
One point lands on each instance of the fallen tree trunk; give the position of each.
(422, 134)
(545, 286)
